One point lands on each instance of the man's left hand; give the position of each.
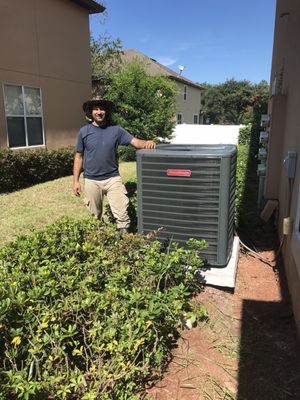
(149, 144)
(142, 144)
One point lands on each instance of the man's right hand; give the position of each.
(77, 167)
(76, 188)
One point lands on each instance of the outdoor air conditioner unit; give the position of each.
(189, 192)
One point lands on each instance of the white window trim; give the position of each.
(197, 116)
(185, 93)
(36, 146)
(295, 243)
(24, 116)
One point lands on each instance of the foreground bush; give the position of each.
(21, 169)
(88, 314)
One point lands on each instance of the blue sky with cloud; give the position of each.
(215, 40)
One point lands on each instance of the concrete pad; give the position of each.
(223, 277)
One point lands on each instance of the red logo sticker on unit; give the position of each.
(179, 172)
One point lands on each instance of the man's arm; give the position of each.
(142, 144)
(77, 167)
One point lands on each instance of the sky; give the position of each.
(214, 40)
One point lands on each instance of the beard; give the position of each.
(100, 117)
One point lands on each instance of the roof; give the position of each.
(154, 68)
(92, 6)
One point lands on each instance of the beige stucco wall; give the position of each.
(285, 132)
(45, 44)
(191, 106)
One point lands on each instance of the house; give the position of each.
(45, 72)
(282, 179)
(188, 108)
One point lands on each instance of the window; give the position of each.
(185, 93)
(23, 111)
(195, 119)
(296, 236)
(179, 118)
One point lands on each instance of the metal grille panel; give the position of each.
(198, 206)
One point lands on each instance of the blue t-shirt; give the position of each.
(99, 148)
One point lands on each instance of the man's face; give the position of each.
(98, 114)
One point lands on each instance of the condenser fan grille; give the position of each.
(189, 194)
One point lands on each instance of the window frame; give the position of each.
(181, 118)
(185, 93)
(24, 116)
(197, 119)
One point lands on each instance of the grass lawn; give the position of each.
(42, 204)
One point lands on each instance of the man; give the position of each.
(96, 153)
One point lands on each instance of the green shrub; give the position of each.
(245, 135)
(21, 169)
(241, 174)
(127, 153)
(86, 313)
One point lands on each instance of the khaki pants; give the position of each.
(115, 191)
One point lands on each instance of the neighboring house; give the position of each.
(45, 72)
(282, 183)
(188, 109)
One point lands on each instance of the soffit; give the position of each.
(92, 6)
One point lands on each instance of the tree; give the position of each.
(258, 106)
(212, 104)
(232, 102)
(144, 105)
(236, 96)
(105, 60)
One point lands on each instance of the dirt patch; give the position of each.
(248, 349)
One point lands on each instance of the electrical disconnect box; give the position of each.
(265, 120)
(263, 152)
(263, 137)
(289, 164)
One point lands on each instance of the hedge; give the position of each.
(21, 169)
(127, 153)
